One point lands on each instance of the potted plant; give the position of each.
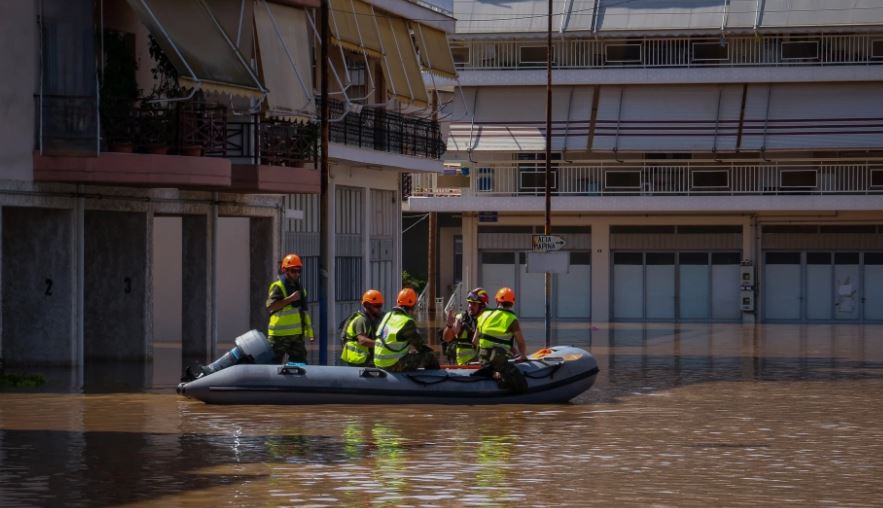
(158, 110)
(119, 91)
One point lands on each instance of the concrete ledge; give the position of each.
(258, 178)
(135, 169)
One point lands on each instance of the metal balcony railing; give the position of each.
(730, 51)
(660, 179)
(68, 124)
(386, 131)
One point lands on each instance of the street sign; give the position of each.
(547, 243)
(487, 216)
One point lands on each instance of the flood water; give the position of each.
(687, 415)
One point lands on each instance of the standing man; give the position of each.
(498, 336)
(358, 332)
(460, 330)
(290, 323)
(397, 333)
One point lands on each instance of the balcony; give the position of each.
(681, 52)
(693, 178)
(183, 144)
(386, 131)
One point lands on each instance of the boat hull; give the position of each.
(558, 376)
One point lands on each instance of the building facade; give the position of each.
(158, 156)
(711, 161)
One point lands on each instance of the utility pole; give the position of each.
(324, 233)
(548, 225)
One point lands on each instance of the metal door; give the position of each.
(660, 286)
(694, 285)
(782, 283)
(573, 290)
(725, 286)
(873, 286)
(847, 286)
(628, 285)
(819, 286)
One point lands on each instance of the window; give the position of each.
(800, 50)
(877, 178)
(877, 48)
(622, 179)
(623, 53)
(533, 55)
(532, 175)
(485, 179)
(798, 178)
(710, 179)
(710, 52)
(460, 55)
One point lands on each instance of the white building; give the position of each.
(688, 138)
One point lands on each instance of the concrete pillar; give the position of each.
(116, 285)
(749, 251)
(196, 283)
(600, 271)
(470, 251)
(37, 290)
(263, 269)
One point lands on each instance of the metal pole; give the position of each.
(548, 226)
(431, 276)
(324, 233)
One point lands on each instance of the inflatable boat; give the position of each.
(553, 375)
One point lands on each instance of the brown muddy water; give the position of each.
(690, 415)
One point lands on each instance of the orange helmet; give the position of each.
(291, 261)
(506, 295)
(407, 298)
(373, 297)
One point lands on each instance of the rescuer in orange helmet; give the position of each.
(398, 345)
(498, 337)
(358, 331)
(290, 322)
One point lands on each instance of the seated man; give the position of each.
(358, 332)
(398, 345)
(459, 330)
(498, 336)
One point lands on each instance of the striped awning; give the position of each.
(208, 41)
(488, 122)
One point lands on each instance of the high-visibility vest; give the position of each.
(353, 352)
(463, 343)
(287, 320)
(493, 329)
(388, 349)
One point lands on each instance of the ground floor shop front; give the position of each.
(734, 268)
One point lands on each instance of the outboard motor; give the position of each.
(251, 347)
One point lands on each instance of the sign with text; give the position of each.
(487, 216)
(547, 243)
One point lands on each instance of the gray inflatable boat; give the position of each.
(553, 375)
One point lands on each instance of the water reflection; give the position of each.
(680, 415)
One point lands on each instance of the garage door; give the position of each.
(676, 286)
(823, 286)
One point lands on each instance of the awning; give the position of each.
(193, 35)
(285, 60)
(403, 78)
(488, 122)
(435, 53)
(353, 27)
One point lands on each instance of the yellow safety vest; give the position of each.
(493, 329)
(388, 349)
(463, 343)
(353, 352)
(287, 320)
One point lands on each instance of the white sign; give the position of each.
(547, 243)
(552, 262)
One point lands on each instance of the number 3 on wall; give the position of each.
(128, 282)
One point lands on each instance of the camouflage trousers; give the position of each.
(293, 345)
(496, 357)
(507, 375)
(425, 359)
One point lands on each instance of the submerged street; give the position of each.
(686, 415)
